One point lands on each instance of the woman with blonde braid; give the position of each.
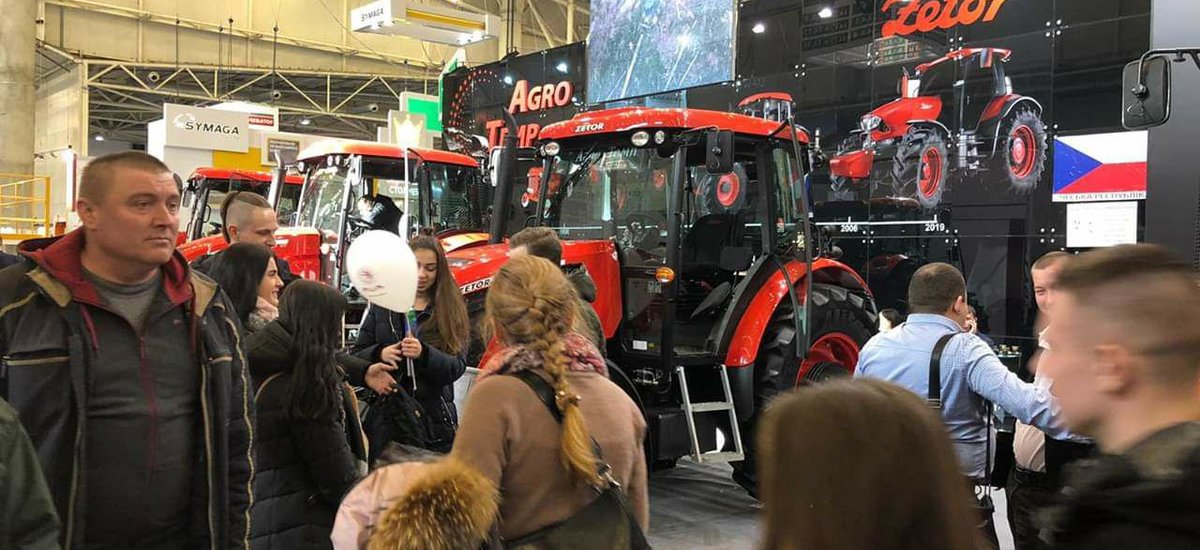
(546, 471)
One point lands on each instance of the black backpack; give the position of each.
(396, 417)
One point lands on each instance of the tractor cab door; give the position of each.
(983, 81)
(723, 226)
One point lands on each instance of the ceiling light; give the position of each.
(562, 67)
(305, 121)
(758, 28)
(99, 137)
(508, 79)
(825, 13)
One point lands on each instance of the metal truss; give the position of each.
(123, 97)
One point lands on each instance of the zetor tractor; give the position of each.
(207, 188)
(957, 114)
(712, 295)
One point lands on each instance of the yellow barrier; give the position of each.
(24, 207)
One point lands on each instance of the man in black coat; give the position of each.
(1125, 331)
(125, 368)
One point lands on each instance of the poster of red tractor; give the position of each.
(957, 121)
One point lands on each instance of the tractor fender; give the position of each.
(743, 344)
(997, 111)
(927, 123)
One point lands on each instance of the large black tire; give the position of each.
(1020, 158)
(836, 310)
(921, 168)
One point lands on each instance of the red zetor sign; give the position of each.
(916, 16)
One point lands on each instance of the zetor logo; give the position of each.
(916, 16)
(475, 286)
(187, 121)
(594, 127)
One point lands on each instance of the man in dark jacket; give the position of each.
(544, 243)
(126, 370)
(1125, 335)
(247, 217)
(27, 518)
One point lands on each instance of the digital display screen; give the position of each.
(646, 47)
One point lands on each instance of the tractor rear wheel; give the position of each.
(921, 168)
(842, 322)
(1020, 156)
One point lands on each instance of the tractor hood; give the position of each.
(896, 115)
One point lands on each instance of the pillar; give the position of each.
(17, 27)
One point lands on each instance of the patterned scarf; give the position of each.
(582, 352)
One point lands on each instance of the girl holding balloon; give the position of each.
(433, 338)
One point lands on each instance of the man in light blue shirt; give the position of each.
(971, 374)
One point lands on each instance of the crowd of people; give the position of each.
(152, 404)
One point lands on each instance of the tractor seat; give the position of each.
(710, 235)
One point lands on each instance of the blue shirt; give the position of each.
(971, 374)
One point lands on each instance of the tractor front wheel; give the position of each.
(842, 322)
(1021, 154)
(921, 168)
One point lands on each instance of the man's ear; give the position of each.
(86, 211)
(1113, 368)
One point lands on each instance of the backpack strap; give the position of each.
(545, 393)
(934, 397)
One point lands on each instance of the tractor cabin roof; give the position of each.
(963, 54)
(238, 174)
(385, 150)
(626, 119)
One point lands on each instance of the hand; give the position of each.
(391, 354)
(410, 348)
(379, 378)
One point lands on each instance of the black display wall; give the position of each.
(1064, 55)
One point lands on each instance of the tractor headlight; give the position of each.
(870, 122)
(550, 148)
(640, 138)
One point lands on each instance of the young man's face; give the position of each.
(137, 218)
(259, 228)
(1043, 287)
(1074, 366)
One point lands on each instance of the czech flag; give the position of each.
(1100, 167)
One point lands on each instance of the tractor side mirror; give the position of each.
(718, 159)
(1146, 100)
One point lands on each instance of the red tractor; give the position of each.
(713, 295)
(957, 114)
(206, 188)
(352, 187)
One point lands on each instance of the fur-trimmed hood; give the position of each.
(439, 505)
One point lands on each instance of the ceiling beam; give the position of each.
(240, 32)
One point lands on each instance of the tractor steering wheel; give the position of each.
(638, 228)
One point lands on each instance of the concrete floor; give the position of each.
(698, 507)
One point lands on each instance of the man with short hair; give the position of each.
(125, 368)
(247, 217)
(543, 242)
(1039, 459)
(1125, 335)
(970, 373)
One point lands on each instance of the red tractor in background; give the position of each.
(957, 115)
(713, 295)
(351, 187)
(206, 188)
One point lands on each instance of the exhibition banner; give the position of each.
(203, 128)
(1100, 167)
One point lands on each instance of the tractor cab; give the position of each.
(207, 188)
(355, 187)
(692, 225)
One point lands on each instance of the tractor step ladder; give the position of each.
(692, 409)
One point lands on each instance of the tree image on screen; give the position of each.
(645, 47)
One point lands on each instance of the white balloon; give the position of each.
(383, 269)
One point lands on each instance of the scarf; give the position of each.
(583, 355)
(263, 313)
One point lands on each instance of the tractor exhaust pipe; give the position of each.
(504, 171)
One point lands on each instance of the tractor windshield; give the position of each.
(324, 198)
(598, 193)
(938, 79)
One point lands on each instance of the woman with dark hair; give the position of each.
(309, 448)
(437, 345)
(250, 277)
(861, 464)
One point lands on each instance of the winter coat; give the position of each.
(586, 288)
(27, 518)
(1148, 497)
(436, 371)
(49, 342)
(303, 466)
(432, 505)
(510, 437)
